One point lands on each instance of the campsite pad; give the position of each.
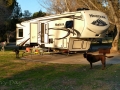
(57, 58)
(69, 59)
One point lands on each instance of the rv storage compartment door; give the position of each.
(76, 44)
(33, 33)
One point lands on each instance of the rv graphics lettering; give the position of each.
(59, 24)
(99, 22)
(98, 16)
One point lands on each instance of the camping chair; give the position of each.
(37, 50)
(27, 50)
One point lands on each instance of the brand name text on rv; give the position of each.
(99, 16)
(59, 24)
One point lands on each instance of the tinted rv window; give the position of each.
(69, 24)
(51, 40)
(20, 33)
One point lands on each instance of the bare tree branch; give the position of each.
(66, 6)
(93, 5)
(86, 4)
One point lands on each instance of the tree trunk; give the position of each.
(8, 37)
(8, 40)
(115, 41)
(116, 38)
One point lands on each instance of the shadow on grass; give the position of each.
(95, 46)
(21, 75)
(61, 77)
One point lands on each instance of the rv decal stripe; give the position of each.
(19, 38)
(74, 31)
(22, 43)
(65, 35)
(95, 32)
(64, 29)
(91, 30)
(22, 25)
(78, 33)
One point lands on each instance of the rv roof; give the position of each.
(66, 14)
(53, 16)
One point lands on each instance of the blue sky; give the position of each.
(31, 5)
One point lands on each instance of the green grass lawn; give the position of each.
(17, 74)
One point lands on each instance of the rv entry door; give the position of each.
(44, 33)
(33, 33)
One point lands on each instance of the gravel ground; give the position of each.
(70, 59)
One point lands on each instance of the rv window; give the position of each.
(20, 33)
(69, 24)
(51, 40)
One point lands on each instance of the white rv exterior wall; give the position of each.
(86, 24)
(57, 31)
(26, 33)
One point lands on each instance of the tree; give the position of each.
(59, 6)
(38, 14)
(114, 7)
(27, 14)
(17, 12)
(6, 8)
(9, 10)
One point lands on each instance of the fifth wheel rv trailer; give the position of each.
(71, 30)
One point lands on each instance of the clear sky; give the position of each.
(31, 5)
